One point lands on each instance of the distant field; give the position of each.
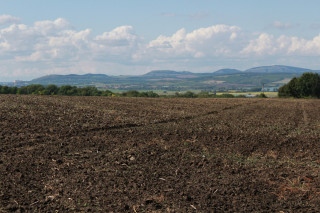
(159, 92)
(104, 154)
(163, 92)
(284, 81)
(268, 94)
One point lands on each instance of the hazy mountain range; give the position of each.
(271, 76)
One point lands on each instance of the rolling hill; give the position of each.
(271, 76)
(277, 69)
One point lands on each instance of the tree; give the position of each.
(34, 89)
(203, 94)
(262, 95)
(189, 94)
(89, 91)
(4, 90)
(51, 89)
(308, 85)
(152, 94)
(226, 95)
(132, 93)
(107, 93)
(13, 90)
(8, 90)
(22, 90)
(290, 90)
(68, 90)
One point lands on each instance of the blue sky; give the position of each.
(133, 37)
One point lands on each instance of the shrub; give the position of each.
(262, 95)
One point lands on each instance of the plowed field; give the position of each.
(100, 154)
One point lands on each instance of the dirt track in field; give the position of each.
(99, 154)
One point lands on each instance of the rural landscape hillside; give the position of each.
(224, 79)
(159, 106)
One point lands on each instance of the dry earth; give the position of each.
(82, 154)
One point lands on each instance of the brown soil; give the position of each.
(82, 154)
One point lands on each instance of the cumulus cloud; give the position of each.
(7, 19)
(120, 40)
(57, 40)
(54, 46)
(51, 27)
(18, 39)
(216, 40)
(66, 45)
(117, 45)
(301, 46)
(267, 44)
(120, 36)
(37, 42)
(264, 44)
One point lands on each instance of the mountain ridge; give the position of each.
(272, 76)
(261, 69)
(278, 68)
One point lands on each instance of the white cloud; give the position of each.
(212, 41)
(120, 36)
(19, 39)
(7, 19)
(302, 46)
(56, 40)
(267, 44)
(263, 45)
(120, 43)
(67, 45)
(51, 27)
(55, 46)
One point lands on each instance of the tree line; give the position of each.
(52, 89)
(67, 90)
(307, 85)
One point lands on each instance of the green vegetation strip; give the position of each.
(308, 85)
(68, 90)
